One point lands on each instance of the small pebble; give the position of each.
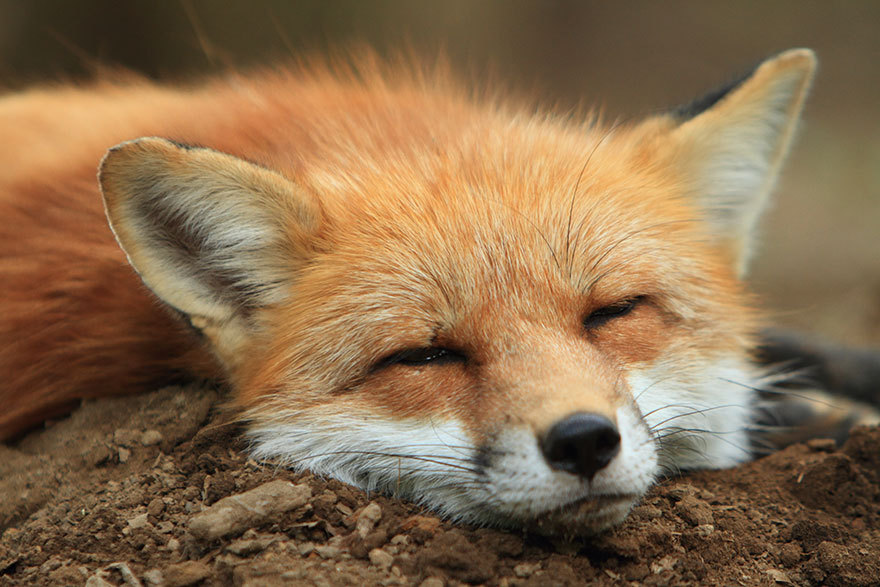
(367, 519)
(151, 437)
(154, 577)
(381, 559)
(234, 514)
(186, 573)
(138, 521)
(125, 437)
(249, 547)
(96, 581)
(328, 552)
(525, 570)
(156, 507)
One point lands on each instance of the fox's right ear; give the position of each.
(730, 144)
(212, 235)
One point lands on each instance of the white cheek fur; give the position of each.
(699, 418)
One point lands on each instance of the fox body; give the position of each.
(515, 319)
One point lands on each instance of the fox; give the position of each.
(513, 317)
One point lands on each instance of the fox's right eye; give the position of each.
(422, 356)
(605, 314)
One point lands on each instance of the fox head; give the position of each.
(513, 319)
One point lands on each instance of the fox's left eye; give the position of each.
(422, 356)
(605, 314)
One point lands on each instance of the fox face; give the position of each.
(515, 320)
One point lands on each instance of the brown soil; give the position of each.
(109, 497)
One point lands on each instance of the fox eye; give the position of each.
(605, 314)
(422, 356)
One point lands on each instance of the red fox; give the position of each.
(515, 319)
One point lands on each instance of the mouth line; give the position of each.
(594, 503)
(586, 516)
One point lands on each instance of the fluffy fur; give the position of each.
(305, 227)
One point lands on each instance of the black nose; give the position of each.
(581, 444)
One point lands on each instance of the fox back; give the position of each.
(513, 318)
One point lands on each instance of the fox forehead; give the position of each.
(512, 214)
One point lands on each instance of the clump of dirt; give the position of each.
(157, 490)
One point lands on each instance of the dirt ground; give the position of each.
(135, 491)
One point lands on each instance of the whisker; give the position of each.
(695, 411)
(574, 193)
(650, 385)
(784, 392)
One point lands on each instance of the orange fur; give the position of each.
(337, 219)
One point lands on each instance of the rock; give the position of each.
(100, 579)
(667, 563)
(368, 518)
(125, 437)
(237, 513)
(432, 582)
(327, 551)
(381, 559)
(154, 577)
(156, 507)
(790, 554)
(127, 575)
(151, 437)
(250, 546)
(186, 573)
(695, 512)
(138, 522)
(420, 528)
(525, 570)
(778, 576)
(97, 581)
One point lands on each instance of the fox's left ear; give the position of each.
(730, 144)
(215, 237)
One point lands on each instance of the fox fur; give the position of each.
(405, 286)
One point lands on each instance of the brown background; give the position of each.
(819, 265)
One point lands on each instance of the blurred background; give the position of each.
(818, 267)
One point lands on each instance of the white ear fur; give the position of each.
(731, 148)
(212, 235)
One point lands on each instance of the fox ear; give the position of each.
(212, 235)
(731, 143)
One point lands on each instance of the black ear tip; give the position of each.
(804, 59)
(699, 105)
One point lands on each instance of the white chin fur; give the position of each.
(437, 465)
(699, 421)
